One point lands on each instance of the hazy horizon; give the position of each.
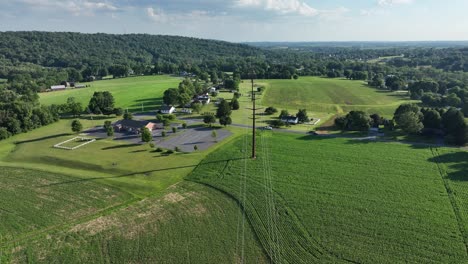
(247, 20)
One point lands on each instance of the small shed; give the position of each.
(167, 109)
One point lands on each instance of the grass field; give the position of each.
(313, 200)
(332, 96)
(129, 93)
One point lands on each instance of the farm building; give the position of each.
(134, 126)
(290, 119)
(58, 87)
(167, 109)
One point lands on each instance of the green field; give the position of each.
(333, 96)
(313, 200)
(129, 93)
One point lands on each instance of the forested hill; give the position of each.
(77, 50)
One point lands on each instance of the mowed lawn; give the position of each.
(134, 168)
(315, 200)
(326, 95)
(129, 93)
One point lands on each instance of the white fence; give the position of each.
(88, 140)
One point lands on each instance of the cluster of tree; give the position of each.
(449, 122)
(184, 94)
(20, 111)
(103, 103)
(361, 121)
(224, 111)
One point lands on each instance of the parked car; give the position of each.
(267, 128)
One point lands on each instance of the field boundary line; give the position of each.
(449, 191)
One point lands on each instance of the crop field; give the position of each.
(316, 200)
(136, 93)
(332, 96)
(190, 223)
(33, 200)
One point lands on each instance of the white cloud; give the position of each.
(280, 6)
(156, 15)
(76, 7)
(394, 2)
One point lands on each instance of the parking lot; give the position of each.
(184, 139)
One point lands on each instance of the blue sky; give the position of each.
(247, 20)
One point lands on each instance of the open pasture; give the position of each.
(138, 94)
(332, 96)
(316, 200)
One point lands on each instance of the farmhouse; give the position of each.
(204, 99)
(167, 109)
(290, 119)
(134, 126)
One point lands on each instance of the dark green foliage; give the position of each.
(110, 131)
(146, 135)
(284, 113)
(271, 110)
(456, 127)
(174, 129)
(224, 109)
(118, 111)
(302, 116)
(409, 118)
(163, 133)
(102, 103)
(128, 115)
(432, 119)
(196, 107)
(195, 147)
(169, 151)
(152, 145)
(354, 121)
(277, 123)
(235, 104)
(159, 149)
(176, 149)
(209, 119)
(4, 134)
(395, 83)
(171, 96)
(184, 125)
(225, 120)
(76, 126)
(107, 124)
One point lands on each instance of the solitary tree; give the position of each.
(235, 104)
(196, 107)
(283, 113)
(195, 147)
(76, 126)
(209, 119)
(302, 116)
(128, 115)
(110, 131)
(174, 130)
(146, 135)
(225, 120)
(214, 135)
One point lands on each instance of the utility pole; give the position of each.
(254, 118)
(254, 140)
